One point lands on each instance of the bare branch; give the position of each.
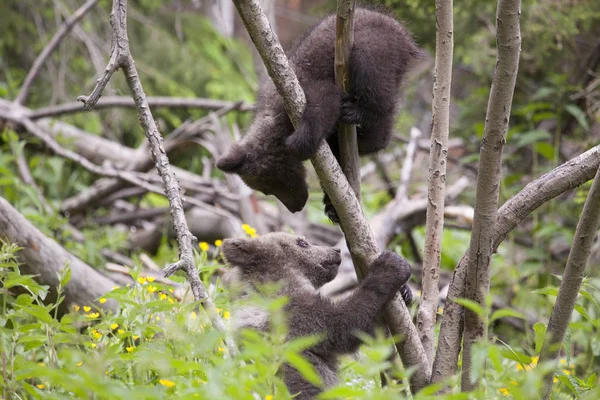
(571, 279)
(121, 58)
(50, 47)
(127, 102)
(440, 127)
(568, 176)
(402, 192)
(508, 38)
(360, 239)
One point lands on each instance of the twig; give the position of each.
(127, 102)
(50, 47)
(440, 127)
(357, 231)
(121, 58)
(402, 191)
(508, 39)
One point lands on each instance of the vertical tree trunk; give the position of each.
(508, 41)
(440, 126)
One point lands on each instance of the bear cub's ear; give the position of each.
(240, 252)
(233, 160)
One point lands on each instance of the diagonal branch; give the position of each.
(361, 241)
(440, 127)
(50, 47)
(121, 58)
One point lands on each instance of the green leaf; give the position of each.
(304, 367)
(344, 392)
(472, 306)
(540, 331)
(544, 149)
(578, 115)
(548, 291)
(527, 138)
(65, 275)
(583, 312)
(506, 312)
(512, 354)
(38, 312)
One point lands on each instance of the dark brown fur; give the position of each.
(302, 268)
(269, 157)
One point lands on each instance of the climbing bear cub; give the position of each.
(302, 268)
(269, 157)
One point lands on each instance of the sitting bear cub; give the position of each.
(269, 157)
(302, 268)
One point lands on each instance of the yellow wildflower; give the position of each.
(152, 289)
(135, 337)
(87, 308)
(40, 386)
(269, 397)
(171, 290)
(555, 379)
(226, 315)
(93, 345)
(115, 287)
(129, 349)
(114, 326)
(166, 383)
(93, 315)
(220, 349)
(102, 300)
(171, 300)
(77, 308)
(163, 296)
(194, 315)
(250, 231)
(42, 364)
(79, 364)
(504, 391)
(120, 331)
(142, 280)
(157, 318)
(566, 372)
(96, 334)
(204, 246)
(151, 279)
(218, 243)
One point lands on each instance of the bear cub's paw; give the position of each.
(330, 210)
(351, 113)
(406, 294)
(389, 272)
(301, 143)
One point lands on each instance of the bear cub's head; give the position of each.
(281, 256)
(265, 163)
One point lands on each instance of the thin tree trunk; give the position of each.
(508, 39)
(440, 126)
(571, 280)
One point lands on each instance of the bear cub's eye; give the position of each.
(302, 243)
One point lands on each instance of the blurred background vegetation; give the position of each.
(185, 48)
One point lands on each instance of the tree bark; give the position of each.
(508, 39)
(440, 127)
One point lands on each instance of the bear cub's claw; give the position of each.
(350, 110)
